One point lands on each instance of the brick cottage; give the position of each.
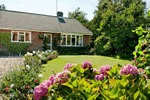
(26, 27)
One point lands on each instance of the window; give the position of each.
(63, 41)
(20, 36)
(72, 40)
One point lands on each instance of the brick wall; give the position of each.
(86, 40)
(37, 44)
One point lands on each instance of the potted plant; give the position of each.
(40, 36)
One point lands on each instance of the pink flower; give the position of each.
(35, 80)
(143, 51)
(47, 83)
(104, 69)
(86, 64)
(99, 77)
(93, 48)
(129, 69)
(51, 78)
(144, 60)
(40, 91)
(6, 89)
(95, 70)
(133, 60)
(67, 66)
(141, 70)
(61, 76)
(136, 63)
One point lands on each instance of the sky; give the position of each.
(48, 7)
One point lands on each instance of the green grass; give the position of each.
(58, 64)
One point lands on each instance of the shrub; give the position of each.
(5, 39)
(19, 84)
(142, 50)
(83, 82)
(73, 50)
(102, 46)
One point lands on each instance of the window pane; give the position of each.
(81, 40)
(21, 33)
(63, 41)
(21, 38)
(27, 36)
(68, 39)
(48, 39)
(73, 41)
(14, 37)
(77, 41)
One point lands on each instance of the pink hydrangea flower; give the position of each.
(47, 83)
(86, 64)
(51, 78)
(104, 69)
(95, 70)
(42, 90)
(129, 69)
(6, 89)
(99, 77)
(62, 75)
(67, 66)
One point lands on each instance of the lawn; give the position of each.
(58, 64)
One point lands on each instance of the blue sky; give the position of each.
(49, 6)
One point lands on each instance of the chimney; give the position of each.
(59, 14)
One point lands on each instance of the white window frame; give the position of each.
(71, 40)
(12, 32)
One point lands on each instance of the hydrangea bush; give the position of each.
(83, 82)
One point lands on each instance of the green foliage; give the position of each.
(142, 50)
(3, 7)
(55, 45)
(44, 43)
(80, 16)
(115, 20)
(102, 46)
(18, 81)
(73, 50)
(40, 36)
(15, 48)
(82, 86)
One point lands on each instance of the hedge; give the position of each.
(73, 50)
(15, 48)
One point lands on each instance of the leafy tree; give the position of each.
(116, 19)
(80, 16)
(3, 7)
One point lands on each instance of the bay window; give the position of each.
(20, 36)
(71, 40)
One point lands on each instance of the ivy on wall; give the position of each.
(15, 48)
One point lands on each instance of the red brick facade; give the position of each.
(86, 40)
(37, 44)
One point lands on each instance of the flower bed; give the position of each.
(82, 82)
(20, 83)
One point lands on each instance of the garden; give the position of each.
(115, 66)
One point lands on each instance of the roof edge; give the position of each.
(44, 31)
(33, 13)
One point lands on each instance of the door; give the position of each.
(49, 41)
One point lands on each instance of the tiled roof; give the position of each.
(39, 22)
